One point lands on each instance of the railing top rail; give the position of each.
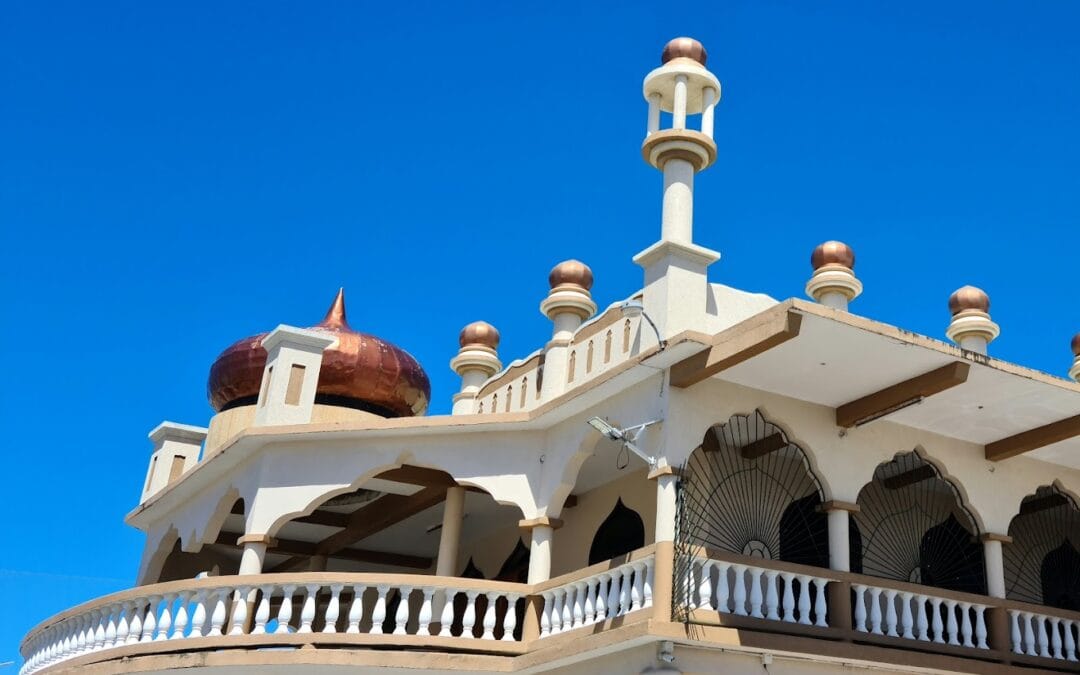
(586, 572)
(1044, 610)
(298, 579)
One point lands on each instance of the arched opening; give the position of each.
(749, 490)
(621, 532)
(1042, 562)
(914, 527)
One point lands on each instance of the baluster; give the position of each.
(804, 599)
(545, 613)
(262, 611)
(568, 608)
(739, 595)
(165, 621)
(980, 627)
(1070, 642)
(965, 624)
(181, 620)
(601, 598)
(110, 627)
(356, 609)
(650, 570)
(638, 596)
(579, 604)
(469, 620)
(1029, 635)
(80, 641)
(772, 598)
(378, 614)
(939, 630)
(423, 618)
(723, 589)
(821, 607)
(614, 593)
(590, 601)
(875, 611)
(1014, 632)
(789, 596)
(906, 620)
(510, 620)
(489, 617)
(198, 615)
(333, 609)
(627, 590)
(446, 621)
(149, 623)
(122, 625)
(401, 617)
(1055, 637)
(703, 597)
(950, 622)
(557, 607)
(755, 595)
(890, 613)
(240, 610)
(217, 616)
(1044, 642)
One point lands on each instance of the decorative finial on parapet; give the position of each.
(834, 283)
(476, 361)
(569, 297)
(971, 327)
(1074, 372)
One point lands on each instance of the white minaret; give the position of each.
(971, 327)
(676, 285)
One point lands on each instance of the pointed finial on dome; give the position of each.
(335, 316)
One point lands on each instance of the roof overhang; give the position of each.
(868, 370)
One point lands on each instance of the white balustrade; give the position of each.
(219, 610)
(919, 616)
(1043, 635)
(598, 597)
(748, 590)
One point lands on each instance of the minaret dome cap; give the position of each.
(833, 253)
(571, 273)
(684, 47)
(1076, 345)
(969, 298)
(479, 333)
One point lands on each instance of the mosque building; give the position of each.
(695, 479)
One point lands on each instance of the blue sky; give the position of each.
(163, 165)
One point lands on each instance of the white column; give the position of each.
(835, 300)
(708, 100)
(677, 218)
(543, 532)
(255, 545)
(839, 543)
(654, 114)
(974, 343)
(666, 506)
(678, 115)
(995, 566)
(291, 375)
(450, 535)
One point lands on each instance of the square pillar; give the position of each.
(676, 286)
(293, 360)
(176, 451)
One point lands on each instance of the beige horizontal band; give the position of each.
(990, 536)
(256, 539)
(666, 470)
(836, 505)
(542, 521)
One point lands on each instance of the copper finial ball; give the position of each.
(833, 253)
(1076, 344)
(684, 48)
(571, 272)
(479, 333)
(967, 298)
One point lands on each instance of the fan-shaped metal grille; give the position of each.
(748, 490)
(914, 528)
(1042, 562)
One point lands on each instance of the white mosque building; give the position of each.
(696, 479)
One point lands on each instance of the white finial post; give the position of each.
(971, 327)
(676, 284)
(568, 304)
(476, 361)
(291, 376)
(176, 450)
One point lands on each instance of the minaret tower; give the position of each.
(675, 268)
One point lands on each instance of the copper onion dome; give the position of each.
(361, 371)
(479, 333)
(685, 48)
(833, 253)
(571, 273)
(969, 297)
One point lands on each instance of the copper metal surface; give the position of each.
(573, 272)
(969, 297)
(479, 333)
(361, 371)
(833, 252)
(684, 47)
(1076, 344)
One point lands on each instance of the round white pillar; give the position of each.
(251, 559)
(995, 565)
(540, 553)
(677, 219)
(974, 343)
(666, 503)
(450, 536)
(839, 542)
(835, 300)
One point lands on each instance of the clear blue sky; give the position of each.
(160, 164)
